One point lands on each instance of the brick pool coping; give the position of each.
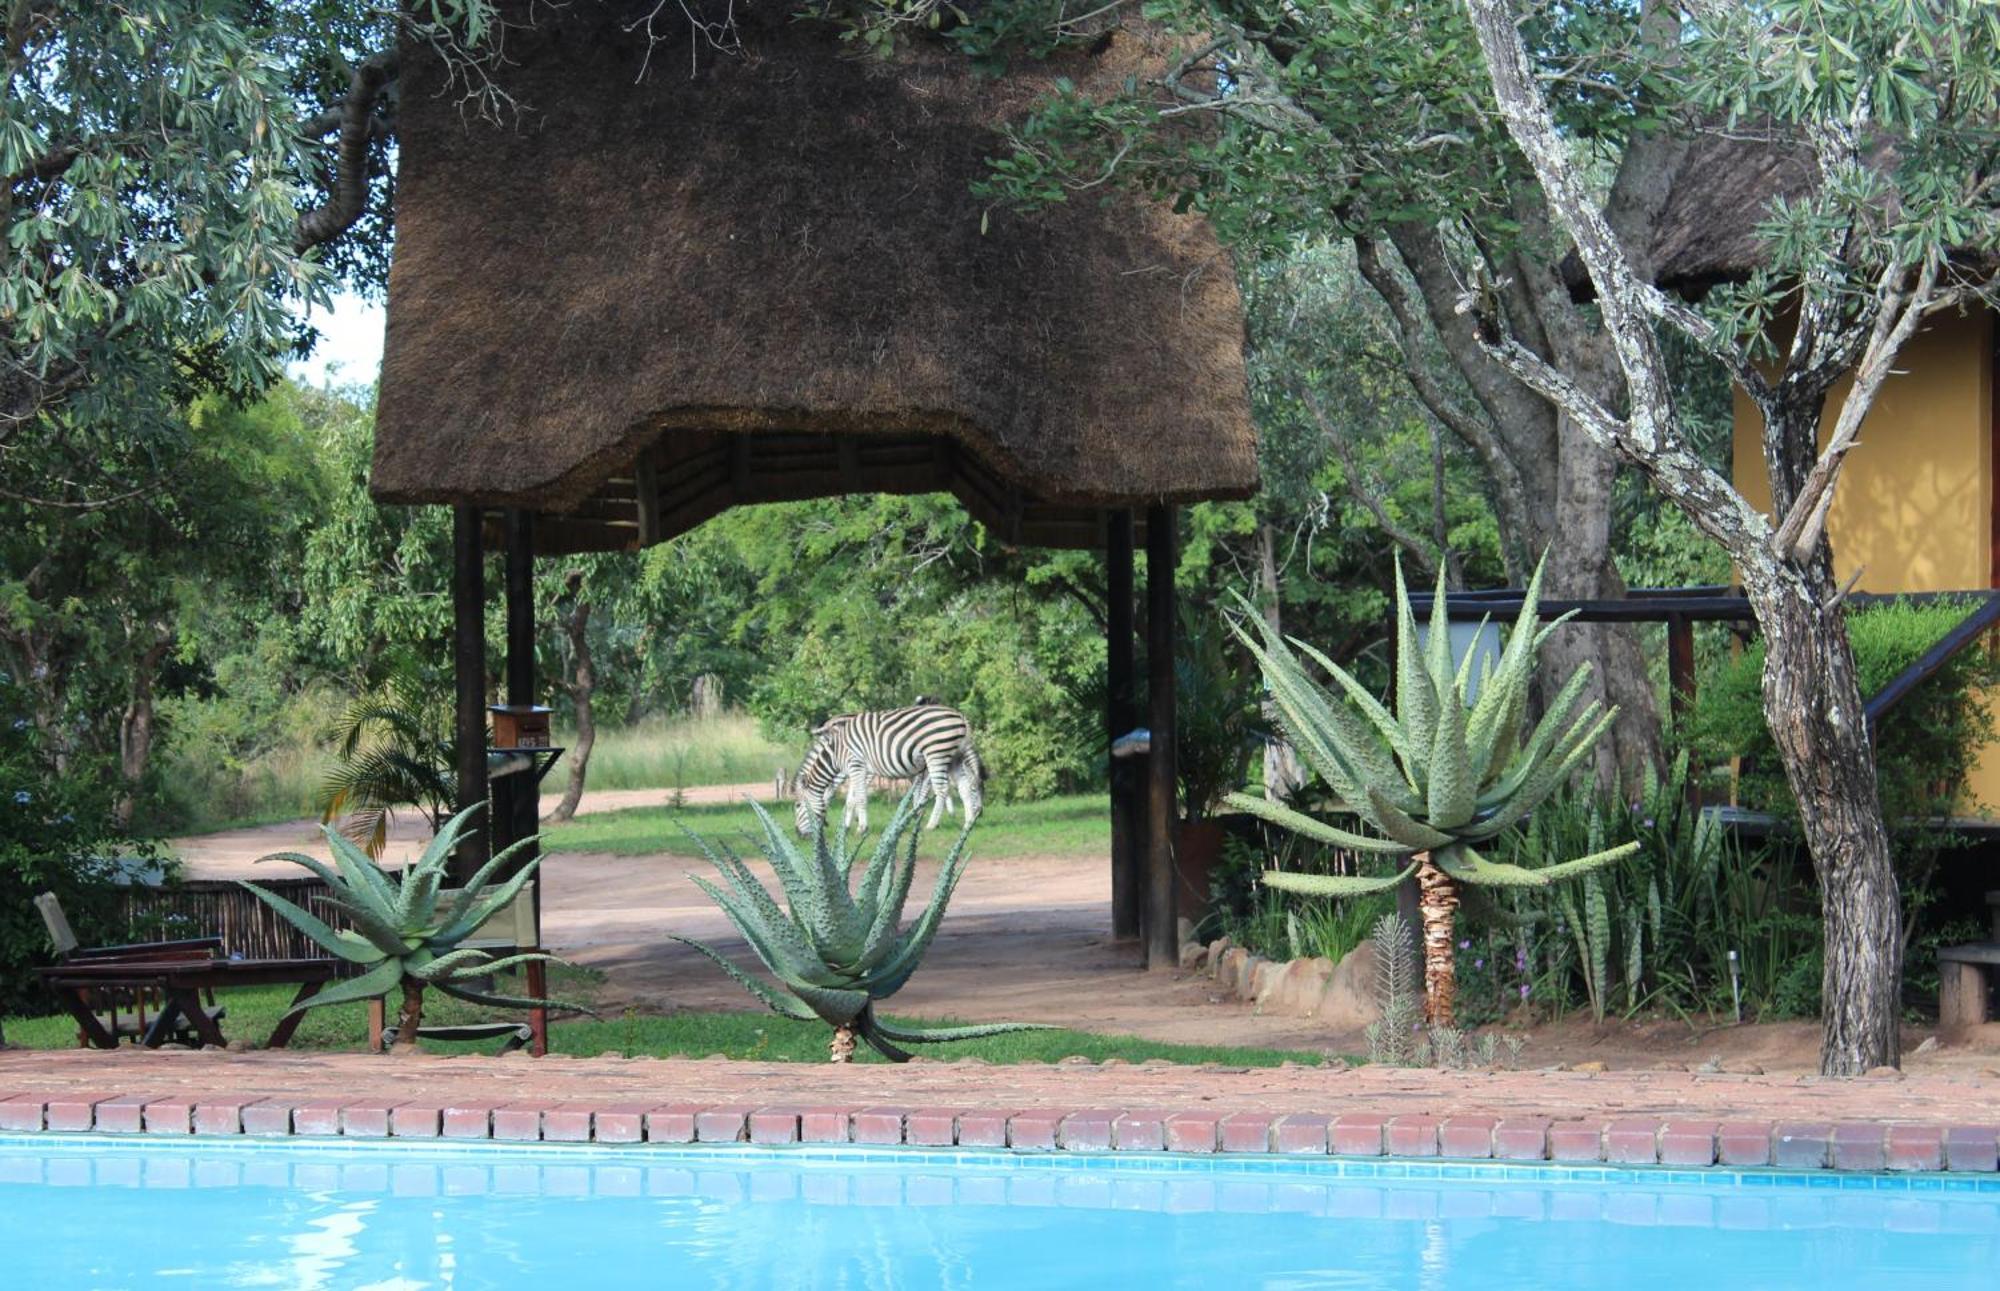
(1679, 1119)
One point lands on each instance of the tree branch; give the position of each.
(1370, 499)
(349, 197)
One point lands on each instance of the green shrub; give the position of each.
(55, 836)
(1924, 747)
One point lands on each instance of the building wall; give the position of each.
(1915, 506)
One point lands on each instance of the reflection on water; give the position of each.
(314, 1218)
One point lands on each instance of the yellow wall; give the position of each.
(1914, 509)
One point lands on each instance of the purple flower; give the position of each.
(1465, 945)
(1479, 963)
(1520, 959)
(1524, 990)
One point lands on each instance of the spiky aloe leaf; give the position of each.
(794, 969)
(504, 964)
(1547, 734)
(833, 920)
(1437, 644)
(1412, 833)
(363, 875)
(946, 1035)
(487, 904)
(835, 1006)
(1300, 823)
(882, 939)
(1331, 885)
(1452, 793)
(1550, 773)
(782, 1003)
(1468, 866)
(909, 949)
(1415, 698)
(480, 880)
(379, 980)
(1460, 683)
(1308, 720)
(315, 928)
(458, 992)
(417, 902)
(784, 933)
(445, 965)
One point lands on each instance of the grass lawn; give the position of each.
(253, 1011)
(1080, 824)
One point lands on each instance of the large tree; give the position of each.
(1359, 119)
(172, 173)
(1470, 159)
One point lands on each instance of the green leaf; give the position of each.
(779, 1002)
(1300, 823)
(1469, 866)
(379, 980)
(1331, 885)
(313, 927)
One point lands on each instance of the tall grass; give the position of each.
(683, 752)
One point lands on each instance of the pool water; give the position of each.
(77, 1213)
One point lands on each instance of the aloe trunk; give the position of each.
(412, 1018)
(842, 1047)
(1437, 902)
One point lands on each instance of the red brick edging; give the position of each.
(1847, 1145)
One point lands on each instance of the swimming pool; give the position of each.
(81, 1213)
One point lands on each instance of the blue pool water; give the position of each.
(89, 1214)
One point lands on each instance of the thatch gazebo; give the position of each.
(664, 291)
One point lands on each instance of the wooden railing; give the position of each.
(222, 908)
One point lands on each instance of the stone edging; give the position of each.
(1683, 1142)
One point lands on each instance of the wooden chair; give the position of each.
(123, 1011)
(512, 930)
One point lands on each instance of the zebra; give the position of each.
(928, 743)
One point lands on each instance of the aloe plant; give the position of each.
(406, 932)
(1436, 778)
(836, 947)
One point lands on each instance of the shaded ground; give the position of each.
(1028, 939)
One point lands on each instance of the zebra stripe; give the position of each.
(929, 743)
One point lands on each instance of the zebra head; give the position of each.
(819, 775)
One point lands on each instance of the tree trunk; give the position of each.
(1437, 902)
(135, 734)
(1812, 703)
(842, 1047)
(412, 1016)
(581, 686)
(1282, 773)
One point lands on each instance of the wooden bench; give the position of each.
(512, 930)
(1965, 973)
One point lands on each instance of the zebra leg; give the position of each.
(937, 774)
(857, 801)
(967, 780)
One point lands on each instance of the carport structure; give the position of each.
(661, 292)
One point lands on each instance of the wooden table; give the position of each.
(180, 983)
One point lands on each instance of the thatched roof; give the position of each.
(1707, 231)
(659, 295)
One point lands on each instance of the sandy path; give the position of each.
(232, 853)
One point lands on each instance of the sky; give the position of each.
(350, 345)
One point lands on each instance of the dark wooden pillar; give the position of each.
(468, 617)
(1121, 645)
(516, 796)
(1162, 945)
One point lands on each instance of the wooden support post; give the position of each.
(1127, 830)
(517, 798)
(1162, 948)
(1680, 666)
(468, 614)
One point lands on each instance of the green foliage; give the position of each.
(1215, 715)
(55, 836)
(836, 950)
(1924, 748)
(1439, 774)
(406, 931)
(1656, 929)
(396, 748)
